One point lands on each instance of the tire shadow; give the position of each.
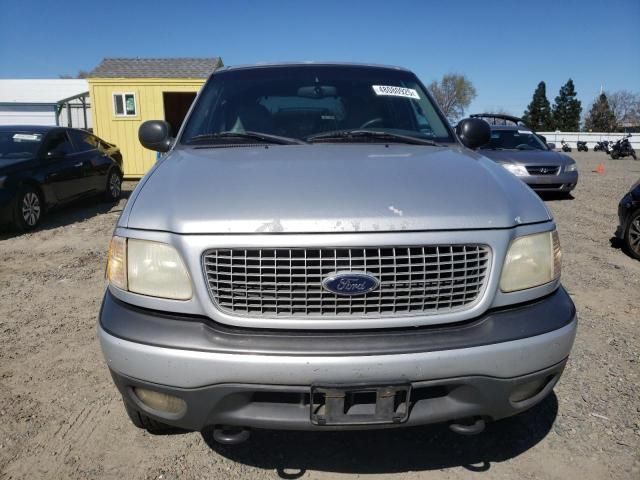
(292, 453)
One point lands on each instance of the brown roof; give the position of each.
(156, 67)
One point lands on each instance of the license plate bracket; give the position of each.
(359, 405)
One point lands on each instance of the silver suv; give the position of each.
(318, 250)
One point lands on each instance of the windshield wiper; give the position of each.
(355, 134)
(265, 137)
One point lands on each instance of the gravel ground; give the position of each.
(61, 417)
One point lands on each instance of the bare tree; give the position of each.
(454, 93)
(625, 106)
(81, 74)
(497, 110)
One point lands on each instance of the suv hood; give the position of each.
(528, 157)
(329, 188)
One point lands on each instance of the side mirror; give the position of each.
(155, 135)
(552, 146)
(473, 132)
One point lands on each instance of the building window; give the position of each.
(124, 105)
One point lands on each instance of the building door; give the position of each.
(176, 106)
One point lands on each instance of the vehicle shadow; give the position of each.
(553, 196)
(74, 212)
(616, 243)
(292, 453)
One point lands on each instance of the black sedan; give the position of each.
(629, 217)
(42, 167)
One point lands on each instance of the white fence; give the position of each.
(590, 137)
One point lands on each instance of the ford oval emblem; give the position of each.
(350, 283)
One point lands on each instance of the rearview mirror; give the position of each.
(317, 91)
(473, 132)
(155, 135)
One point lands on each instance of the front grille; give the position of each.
(288, 281)
(543, 170)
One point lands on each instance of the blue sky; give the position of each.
(504, 47)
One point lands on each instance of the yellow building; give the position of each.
(128, 91)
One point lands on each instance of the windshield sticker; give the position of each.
(495, 135)
(396, 91)
(524, 132)
(27, 137)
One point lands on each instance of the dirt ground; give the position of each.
(61, 417)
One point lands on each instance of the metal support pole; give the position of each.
(69, 122)
(84, 111)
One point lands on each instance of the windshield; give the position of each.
(14, 144)
(514, 140)
(301, 101)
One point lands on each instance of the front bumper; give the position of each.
(249, 379)
(625, 207)
(563, 182)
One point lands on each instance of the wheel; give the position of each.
(28, 209)
(632, 235)
(114, 186)
(633, 154)
(614, 155)
(141, 420)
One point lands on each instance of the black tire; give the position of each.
(145, 422)
(631, 237)
(28, 209)
(633, 154)
(614, 155)
(113, 189)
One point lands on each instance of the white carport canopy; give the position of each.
(41, 101)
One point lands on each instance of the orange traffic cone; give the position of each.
(599, 168)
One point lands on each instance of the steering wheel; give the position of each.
(372, 122)
(524, 146)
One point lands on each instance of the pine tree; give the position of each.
(538, 114)
(600, 118)
(567, 109)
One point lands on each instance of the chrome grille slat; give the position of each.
(542, 169)
(287, 282)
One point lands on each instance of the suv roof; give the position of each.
(311, 63)
(493, 118)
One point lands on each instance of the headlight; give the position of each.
(117, 262)
(517, 170)
(148, 268)
(531, 261)
(572, 167)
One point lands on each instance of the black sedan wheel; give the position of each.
(632, 235)
(28, 209)
(114, 187)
